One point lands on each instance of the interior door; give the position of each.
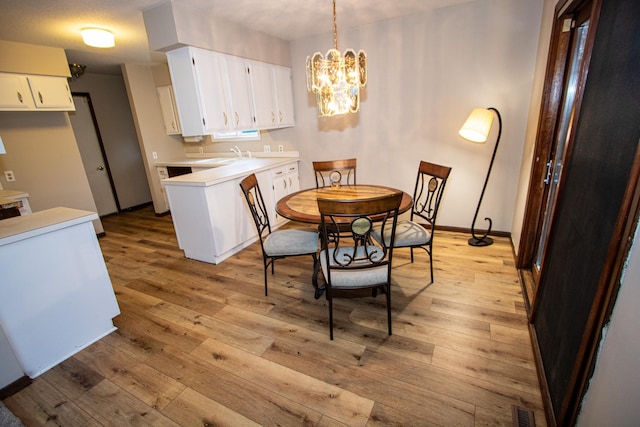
(89, 142)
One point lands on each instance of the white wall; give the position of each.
(147, 116)
(426, 73)
(614, 389)
(113, 114)
(43, 154)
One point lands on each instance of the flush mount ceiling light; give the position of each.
(336, 79)
(98, 37)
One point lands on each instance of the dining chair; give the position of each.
(356, 261)
(276, 244)
(417, 232)
(332, 172)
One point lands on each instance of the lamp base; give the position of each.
(485, 241)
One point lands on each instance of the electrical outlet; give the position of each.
(200, 150)
(267, 148)
(155, 155)
(281, 148)
(10, 177)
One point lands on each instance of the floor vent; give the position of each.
(522, 417)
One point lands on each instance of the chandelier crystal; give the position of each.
(336, 79)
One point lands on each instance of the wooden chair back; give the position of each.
(427, 194)
(329, 172)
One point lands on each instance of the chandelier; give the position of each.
(336, 79)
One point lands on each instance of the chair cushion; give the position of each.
(408, 233)
(291, 242)
(353, 278)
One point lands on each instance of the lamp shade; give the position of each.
(2, 149)
(478, 125)
(97, 37)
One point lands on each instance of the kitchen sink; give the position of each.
(218, 161)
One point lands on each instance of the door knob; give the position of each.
(100, 167)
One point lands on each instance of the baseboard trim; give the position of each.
(14, 387)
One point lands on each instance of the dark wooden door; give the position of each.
(568, 311)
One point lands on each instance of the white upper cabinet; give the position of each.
(216, 92)
(272, 95)
(238, 93)
(211, 91)
(169, 110)
(197, 85)
(24, 93)
(51, 93)
(15, 93)
(284, 96)
(264, 101)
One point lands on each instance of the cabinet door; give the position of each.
(293, 179)
(14, 93)
(186, 91)
(168, 107)
(209, 72)
(198, 90)
(280, 189)
(285, 181)
(284, 96)
(238, 95)
(263, 95)
(51, 93)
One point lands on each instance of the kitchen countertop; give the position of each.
(23, 227)
(239, 167)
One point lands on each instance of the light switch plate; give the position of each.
(267, 148)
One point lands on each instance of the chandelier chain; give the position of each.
(335, 27)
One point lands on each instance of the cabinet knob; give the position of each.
(100, 168)
(20, 98)
(40, 96)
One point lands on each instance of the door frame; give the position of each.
(94, 119)
(551, 107)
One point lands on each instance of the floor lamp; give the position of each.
(476, 129)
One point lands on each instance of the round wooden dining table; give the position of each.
(302, 206)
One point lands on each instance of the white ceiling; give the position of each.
(58, 22)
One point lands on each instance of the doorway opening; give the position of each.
(85, 127)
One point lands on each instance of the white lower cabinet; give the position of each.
(285, 181)
(214, 222)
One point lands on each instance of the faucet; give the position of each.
(236, 150)
(248, 154)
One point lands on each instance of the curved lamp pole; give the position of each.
(476, 129)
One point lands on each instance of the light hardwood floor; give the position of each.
(200, 345)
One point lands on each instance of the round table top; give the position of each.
(302, 206)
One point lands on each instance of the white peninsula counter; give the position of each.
(56, 297)
(209, 212)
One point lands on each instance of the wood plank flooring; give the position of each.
(200, 345)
